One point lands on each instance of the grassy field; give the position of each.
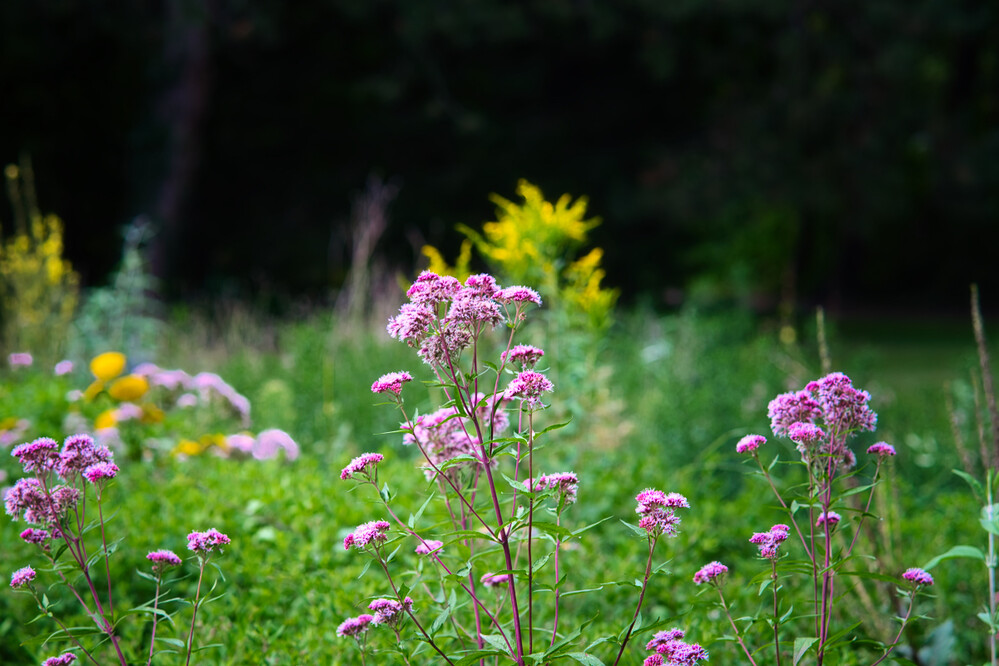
(659, 403)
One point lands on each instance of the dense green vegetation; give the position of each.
(662, 407)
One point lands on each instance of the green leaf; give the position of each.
(441, 618)
(496, 641)
(801, 646)
(989, 518)
(414, 517)
(971, 481)
(636, 529)
(957, 551)
(585, 659)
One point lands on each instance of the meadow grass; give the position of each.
(663, 404)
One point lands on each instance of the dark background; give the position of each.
(835, 152)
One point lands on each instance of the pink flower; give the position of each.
(63, 368)
(389, 611)
(769, 542)
(162, 559)
(20, 360)
(750, 443)
(37, 456)
(670, 650)
(882, 449)
(22, 577)
(518, 294)
(100, 472)
(663, 637)
(494, 580)
(805, 433)
(355, 626)
(204, 543)
(526, 355)
(917, 576)
(709, 572)
(375, 532)
(844, 408)
(269, 442)
(656, 509)
(38, 537)
(528, 386)
(789, 408)
(431, 289)
(240, 442)
(566, 483)
(412, 324)
(482, 285)
(80, 452)
(428, 546)
(64, 659)
(831, 517)
(361, 464)
(393, 382)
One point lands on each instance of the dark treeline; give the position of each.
(842, 152)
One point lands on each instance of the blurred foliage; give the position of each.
(38, 287)
(707, 133)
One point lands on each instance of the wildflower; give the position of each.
(241, 442)
(22, 577)
(170, 379)
(412, 324)
(917, 576)
(447, 344)
(62, 660)
(100, 471)
(129, 387)
(26, 494)
(108, 365)
(528, 386)
(360, 465)
(844, 408)
(471, 308)
(805, 433)
(769, 542)
(355, 626)
(375, 532)
(881, 449)
(389, 611)
(790, 408)
(526, 355)
(204, 543)
(662, 637)
(80, 452)
(270, 441)
(37, 456)
(494, 580)
(428, 546)
(392, 381)
(566, 483)
(187, 400)
(20, 360)
(709, 572)
(63, 368)
(38, 537)
(482, 285)
(518, 294)
(830, 517)
(670, 650)
(162, 559)
(431, 289)
(750, 443)
(656, 509)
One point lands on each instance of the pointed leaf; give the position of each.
(801, 646)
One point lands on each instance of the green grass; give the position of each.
(660, 403)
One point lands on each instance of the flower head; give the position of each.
(108, 365)
(389, 611)
(805, 433)
(100, 472)
(392, 382)
(518, 294)
(162, 559)
(38, 537)
(129, 387)
(526, 355)
(80, 452)
(709, 572)
(881, 449)
(494, 580)
(22, 577)
(204, 543)
(565, 483)
(830, 517)
(375, 532)
(431, 289)
(528, 386)
(40, 455)
(750, 443)
(790, 408)
(355, 626)
(769, 542)
(20, 360)
(63, 368)
(269, 442)
(363, 464)
(918, 577)
(656, 509)
(64, 659)
(412, 324)
(428, 546)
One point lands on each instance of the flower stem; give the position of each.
(641, 598)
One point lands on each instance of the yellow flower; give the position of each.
(128, 388)
(93, 390)
(152, 414)
(108, 365)
(188, 447)
(105, 420)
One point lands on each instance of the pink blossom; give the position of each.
(355, 626)
(482, 285)
(171, 380)
(100, 472)
(917, 576)
(375, 532)
(412, 324)
(428, 546)
(241, 442)
(566, 483)
(769, 542)
(204, 543)
(805, 433)
(63, 368)
(750, 443)
(22, 577)
(528, 386)
(20, 360)
(662, 637)
(64, 659)
(656, 509)
(830, 517)
(709, 572)
(162, 559)
(844, 408)
(269, 442)
(392, 381)
(526, 355)
(518, 294)
(79, 452)
(389, 611)
(38, 456)
(882, 449)
(789, 408)
(187, 400)
(431, 289)
(38, 537)
(361, 464)
(494, 580)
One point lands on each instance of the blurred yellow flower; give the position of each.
(108, 365)
(152, 414)
(188, 447)
(128, 388)
(105, 419)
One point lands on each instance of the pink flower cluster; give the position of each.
(565, 483)
(656, 509)
(709, 572)
(364, 464)
(769, 542)
(670, 650)
(428, 546)
(389, 611)
(750, 443)
(833, 400)
(265, 446)
(494, 579)
(918, 577)
(375, 532)
(881, 449)
(205, 543)
(355, 626)
(64, 659)
(163, 559)
(391, 382)
(527, 355)
(528, 386)
(22, 577)
(830, 517)
(40, 538)
(20, 360)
